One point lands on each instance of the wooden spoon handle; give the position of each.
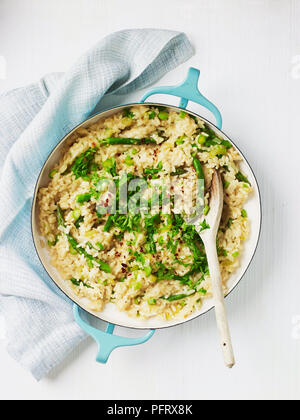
(218, 294)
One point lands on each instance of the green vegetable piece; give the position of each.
(74, 244)
(102, 265)
(240, 177)
(236, 254)
(52, 173)
(76, 214)
(151, 301)
(90, 263)
(79, 221)
(180, 140)
(201, 139)
(82, 198)
(204, 226)
(53, 243)
(219, 149)
(137, 285)
(244, 213)
(229, 222)
(60, 216)
(100, 246)
(182, 114)
(125, 140)
(109, 165)
(72, 250)
(153, 171)
(84, 163)
(163, 115)
(148, 271)
(206, 210)
(128, 161)
(127, 113)
(178, 171)
(198, 168)
(226, 143)
(79, 282)
(108, 224)
(173, 298)
(151, 115)
(203, 291)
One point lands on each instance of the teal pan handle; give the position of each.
(107, 341)
(188, 91)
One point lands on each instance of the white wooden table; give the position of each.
(249, 55)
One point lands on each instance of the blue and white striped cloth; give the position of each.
(40, 330)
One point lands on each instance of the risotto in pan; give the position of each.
(151, 262)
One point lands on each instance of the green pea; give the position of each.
(163, 115)
(201, 139)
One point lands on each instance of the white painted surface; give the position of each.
(248, 52)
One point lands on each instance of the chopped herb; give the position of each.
(79, 221)
(76, 214)
(82, 198)
(148, 271)
(109, 165)
(84, 163)
(180, 140)
(151, 115)
(203, 291)
(128, 113)
(152, 172)
(100, 246)
(229, 222)
(204, 226)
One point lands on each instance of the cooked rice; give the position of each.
(130, 285)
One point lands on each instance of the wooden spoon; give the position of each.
(208, 237)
